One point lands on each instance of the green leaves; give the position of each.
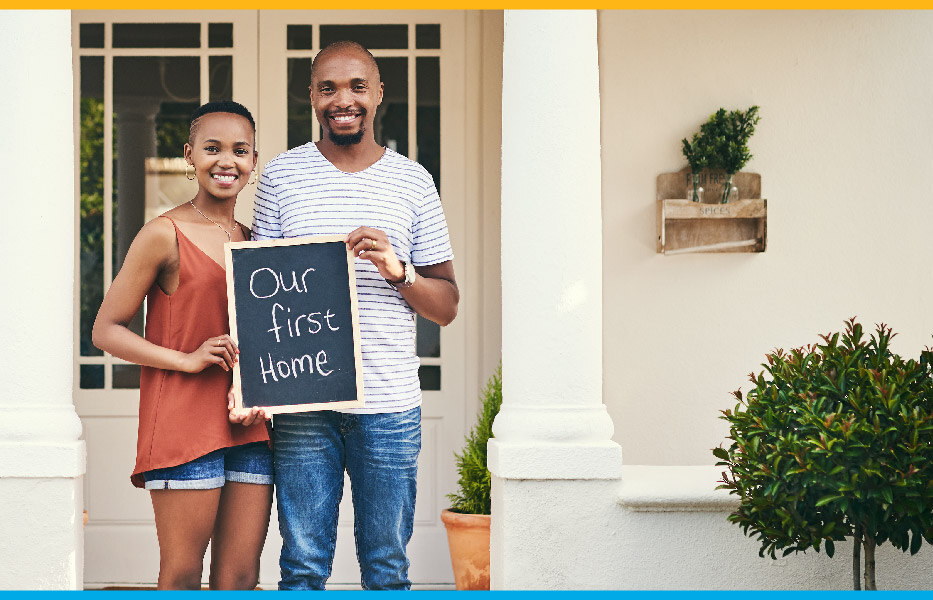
(833, 437)
(696, 152)
(722, 142)
(475, 481)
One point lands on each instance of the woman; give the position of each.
(207, 465)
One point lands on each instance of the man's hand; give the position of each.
(434, 295)
(373, 245)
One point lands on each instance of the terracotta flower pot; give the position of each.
(468, 538)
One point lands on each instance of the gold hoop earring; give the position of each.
(254, 177)
(190, 176)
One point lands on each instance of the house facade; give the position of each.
(546, 131)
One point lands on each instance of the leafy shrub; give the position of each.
(835, 442)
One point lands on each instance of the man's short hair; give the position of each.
(223, 106)
(346, 45)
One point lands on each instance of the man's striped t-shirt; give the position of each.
(301, 193)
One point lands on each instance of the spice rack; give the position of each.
(689, 227)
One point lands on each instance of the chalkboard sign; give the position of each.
(293, 313)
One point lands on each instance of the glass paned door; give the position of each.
(408, 55)
(138, 81)
(138, 77)
(262, 59)
(421, 58)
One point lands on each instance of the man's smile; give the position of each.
(344, 118)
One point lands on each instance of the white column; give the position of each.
(42, 459)
(552, 445)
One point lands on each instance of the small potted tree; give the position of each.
(467, 520)
(835, 441)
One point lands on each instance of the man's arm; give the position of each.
(434, 294)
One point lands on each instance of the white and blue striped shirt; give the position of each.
(301, 193)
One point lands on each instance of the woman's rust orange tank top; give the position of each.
(184, 415)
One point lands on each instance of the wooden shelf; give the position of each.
(688, 227)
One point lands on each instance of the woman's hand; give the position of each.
(219, 350)
(244, 416)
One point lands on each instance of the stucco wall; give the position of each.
(844, 152)
(661, 528)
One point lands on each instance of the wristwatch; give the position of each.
(408, 280)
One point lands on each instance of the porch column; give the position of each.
(42, 459)
(552, 449)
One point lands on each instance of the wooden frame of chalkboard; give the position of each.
(293, 310)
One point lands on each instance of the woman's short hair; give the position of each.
(224, 106)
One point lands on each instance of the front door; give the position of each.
(137, 77)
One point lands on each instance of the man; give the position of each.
(389, 210)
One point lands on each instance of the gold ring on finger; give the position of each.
(372, 244)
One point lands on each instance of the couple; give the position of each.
(208, 466)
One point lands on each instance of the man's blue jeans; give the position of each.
(380, 453)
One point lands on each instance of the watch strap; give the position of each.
(407, 280)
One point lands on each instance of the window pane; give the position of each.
(391, 125)
(91, 35)
(370, 36)
(126, 377)
(220, 70)
(171, 126)
(153, 97)
(428, 338)
(220, 35)
(428, 71)
(91, 257)
(156, 35)
(92, 377)
(430, 377)
(427, 37)
(300, 37)
(300, 122)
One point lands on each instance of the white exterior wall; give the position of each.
(41, 458)
(661, 528)
(666, 529)
(844, 152)
(843, 149)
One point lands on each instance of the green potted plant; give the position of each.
(727, 135)
(835, 440)
(468, 518)
(721, 144)
(696, 152)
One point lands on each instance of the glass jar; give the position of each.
(694, 189)
(729, 190)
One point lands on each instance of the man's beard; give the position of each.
(348, 139)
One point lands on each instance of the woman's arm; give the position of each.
(152, 253)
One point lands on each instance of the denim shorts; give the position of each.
(249, 463)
